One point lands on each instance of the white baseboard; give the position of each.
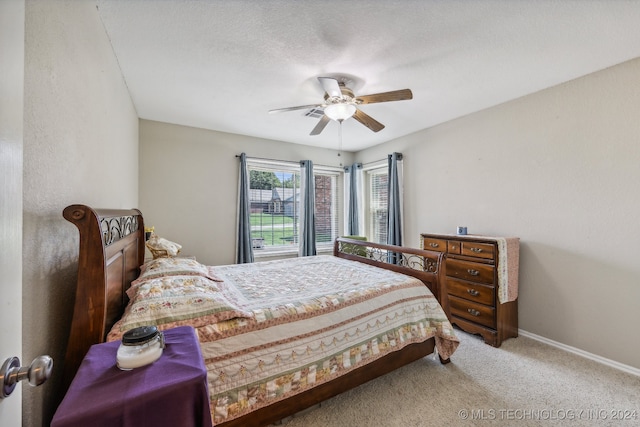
(585, 354)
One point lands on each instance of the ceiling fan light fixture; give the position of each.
(340, 103)
(339, 112)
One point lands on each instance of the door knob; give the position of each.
(11, 373)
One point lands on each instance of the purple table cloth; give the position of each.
(172, 391)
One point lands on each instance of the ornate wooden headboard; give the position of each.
(110, 256)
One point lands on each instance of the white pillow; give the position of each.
(158, 246)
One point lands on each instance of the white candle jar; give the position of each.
(140, 346)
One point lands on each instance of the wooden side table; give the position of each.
(172, 391)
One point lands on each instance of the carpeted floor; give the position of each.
(522, 383)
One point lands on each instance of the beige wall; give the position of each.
(560, 169)
(80, 146)
(189, 183)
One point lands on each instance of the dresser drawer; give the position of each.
(453, 247)
(479, 250)
(473, 312)
(431, 244)
(476, 292)
(476, 272)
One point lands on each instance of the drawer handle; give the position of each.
(473, 292)
(476, 250)
(433, 245)
(473, 312)
(473, 272)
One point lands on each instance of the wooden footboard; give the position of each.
(428, 266)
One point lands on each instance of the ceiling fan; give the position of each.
(340, 103)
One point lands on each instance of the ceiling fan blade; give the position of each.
(368, 121)
(395, 95)
(320, 126)
(300, 107)
(330, 85)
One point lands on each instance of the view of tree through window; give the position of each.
(274, 199)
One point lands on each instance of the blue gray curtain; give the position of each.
(307, 210)
(244, 253)
(394, 212)
(353, 211)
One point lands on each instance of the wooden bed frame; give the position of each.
(112, 249)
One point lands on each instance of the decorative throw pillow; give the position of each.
(160, 267)
(177, 298)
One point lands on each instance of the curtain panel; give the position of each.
(244, 246)
(307, 210)
(394, 213)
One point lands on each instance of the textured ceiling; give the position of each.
(222, 65)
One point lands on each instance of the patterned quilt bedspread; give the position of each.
(306, 321)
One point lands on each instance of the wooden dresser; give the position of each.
(478, 304)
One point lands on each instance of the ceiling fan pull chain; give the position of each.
(340, 141)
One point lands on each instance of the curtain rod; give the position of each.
(399, 156)
(364, 165)
(287, 161)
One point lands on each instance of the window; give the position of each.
(326, 207)
(376, 216)
(274, 199)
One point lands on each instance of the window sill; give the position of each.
(264, 255)
(274, 253)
